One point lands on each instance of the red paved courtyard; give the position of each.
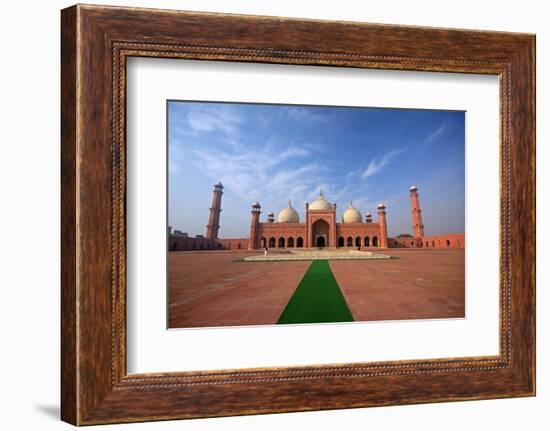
(218, 289)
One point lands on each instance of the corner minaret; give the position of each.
(254, 241)
(418, 227)
(383, 226)
(214, 220)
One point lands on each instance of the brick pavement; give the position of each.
(218, 289)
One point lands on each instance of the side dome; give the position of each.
(320, 204)
(288, 215)
(351, 215)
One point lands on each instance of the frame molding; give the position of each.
(95, 42)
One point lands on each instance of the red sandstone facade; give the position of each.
(320, 229)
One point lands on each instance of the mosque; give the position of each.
(320, 229)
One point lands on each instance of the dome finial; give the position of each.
(351, 204)
(321, 192)
(289, 204)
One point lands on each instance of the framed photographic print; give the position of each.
(265, 214)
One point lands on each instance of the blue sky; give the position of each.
(273, 153)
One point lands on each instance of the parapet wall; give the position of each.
(183, 243)
(404, 242)
(453, 240)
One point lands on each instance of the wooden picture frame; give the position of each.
(95, 43)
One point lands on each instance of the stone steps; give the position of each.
(317, 255)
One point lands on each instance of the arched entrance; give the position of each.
(319, 233)
(341, 241)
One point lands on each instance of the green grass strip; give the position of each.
(317, 299)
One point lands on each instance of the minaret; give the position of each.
(306, 234)
(333, 237)
(368, 218)
(214, 220)
(418, 227)
(254, 241)
(383, 226)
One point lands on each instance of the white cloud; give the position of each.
(215, 118)
(304, 114)
(435, 134)
(266, 173)
(377, 165)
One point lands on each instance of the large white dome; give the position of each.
(288, 215)
(320, 204)
(351, 215)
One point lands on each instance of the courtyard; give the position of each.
(218, 288)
